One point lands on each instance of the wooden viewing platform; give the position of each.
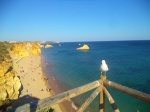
(101, 89)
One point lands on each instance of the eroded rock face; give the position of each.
(9, 83)
(26, 49)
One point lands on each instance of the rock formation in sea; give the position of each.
(41, 46)
(48, 46)
(84, 47)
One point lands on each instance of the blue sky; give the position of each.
(74, 20)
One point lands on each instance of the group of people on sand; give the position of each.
(48, 89)
(31, 68)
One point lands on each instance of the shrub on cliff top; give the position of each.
(3, 51)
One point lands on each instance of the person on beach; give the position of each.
(48, 90)
(46, 79)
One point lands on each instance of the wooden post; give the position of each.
(111, 100)
(102, 96)
(89, 100)
(134, 93)
(101, 103)
(48, 102)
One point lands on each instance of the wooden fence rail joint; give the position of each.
(99, 84)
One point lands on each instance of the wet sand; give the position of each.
(57, 87)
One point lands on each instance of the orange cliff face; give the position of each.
(9, 83)
(26, 49)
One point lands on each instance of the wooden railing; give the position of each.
(99, 84)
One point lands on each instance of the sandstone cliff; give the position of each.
(25, 49)
(9, 83)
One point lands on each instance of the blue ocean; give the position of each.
(128, 63)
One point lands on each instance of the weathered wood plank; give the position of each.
(89, 100)
(132, 92)
(111, 100)
(47, 102)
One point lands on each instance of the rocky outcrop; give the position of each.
(9, 87)
(84, 47)
(48, 46)
(9, 83)
(41, 46)
(25, 49)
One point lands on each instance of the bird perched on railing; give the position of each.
(103, 67)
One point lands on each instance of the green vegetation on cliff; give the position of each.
(4, 54)
(9, 83)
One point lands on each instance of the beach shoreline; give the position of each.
(57, 87)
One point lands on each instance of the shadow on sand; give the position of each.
(14, 104)
(27, 99)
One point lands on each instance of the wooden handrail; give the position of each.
(48, 102)
(111, 100)
(90, 99)
(132, 92)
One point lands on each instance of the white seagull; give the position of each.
(103, 67)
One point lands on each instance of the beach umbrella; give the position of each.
(103, 67)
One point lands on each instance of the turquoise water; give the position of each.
(128, 62)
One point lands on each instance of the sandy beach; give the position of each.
(34, 82)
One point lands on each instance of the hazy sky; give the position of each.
(74, 20)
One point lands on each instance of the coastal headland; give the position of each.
(21, 77)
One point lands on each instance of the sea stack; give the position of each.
(84, 47)
(48, 46)
(41, 46)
